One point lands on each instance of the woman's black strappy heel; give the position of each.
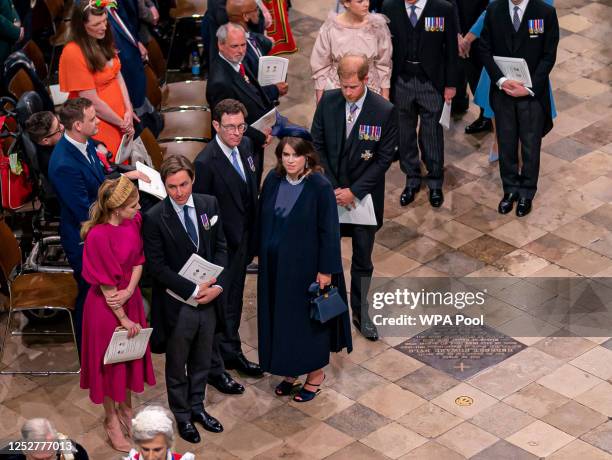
(285, 388)
(307, 395)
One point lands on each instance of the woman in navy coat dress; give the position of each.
(299, 244)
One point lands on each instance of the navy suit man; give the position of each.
(76, 173)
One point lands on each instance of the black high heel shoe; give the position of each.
(285, 388)
(307, 395)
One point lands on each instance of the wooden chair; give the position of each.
(187, 125)
(184, 94)
(33, 291)
(20, 83)
(33, 52)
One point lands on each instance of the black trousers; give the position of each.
(362, 237)
(188, 355)
(418, 99)
(518, 120)
(227, 345)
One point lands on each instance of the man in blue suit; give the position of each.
(76, 173)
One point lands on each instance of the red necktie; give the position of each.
(242, 72)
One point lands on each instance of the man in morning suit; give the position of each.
(231, 79)
(355, 133)
(425, 60)
(225, 169)
(175, 228)
(526, 29)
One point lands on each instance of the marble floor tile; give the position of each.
(391, 401)
(503, 450)
(565, 348)
(284, 421)
(392, 364)
(521, 263)
(281, 451)
(357, 421)
(598, 398)
(393, 264)
(502, 420)
(327, 404)
(357, 451)
(600, 188)
(536, 400)
(394, 234)
(579, 449)
(355, 382)
(432, 451)
(585, 262)
(455, 263)
(467, 439)
(427, 382)
(454, 234)
(569, 381)
(596, 361)
(574, 22)
(574, 418)
(515, 372)
(568, 149)
(429, 420)
(319, 441)
(518, 233)
(485, 219)
(551, 247)
(394, 440)
(600, 437)
(423, 249)
(540, 439)
(486, 249)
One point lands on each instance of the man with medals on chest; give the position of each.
(526, 29)
(425, 62)
(355, 133)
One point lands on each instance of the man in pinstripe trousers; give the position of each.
(425, 63)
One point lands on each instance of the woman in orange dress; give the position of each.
(89, 67)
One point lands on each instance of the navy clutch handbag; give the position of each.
(326, 305)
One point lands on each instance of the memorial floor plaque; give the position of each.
(460, 351)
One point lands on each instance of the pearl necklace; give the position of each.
(295, 182)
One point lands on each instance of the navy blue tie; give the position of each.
(191, 230)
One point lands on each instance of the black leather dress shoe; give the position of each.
(523, 207)
(188, 432)
(241, 364)
(366, 327)
(207, 421)
(480, 125)
(225, 384)
(507, 203)
(436, 197)
(408, 195)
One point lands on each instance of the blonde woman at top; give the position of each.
(354, 31)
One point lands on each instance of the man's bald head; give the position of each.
(353, 64)
(242, 11)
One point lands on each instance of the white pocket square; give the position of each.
(213, 220)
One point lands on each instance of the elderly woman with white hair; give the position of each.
(41, 441)
(153, 433)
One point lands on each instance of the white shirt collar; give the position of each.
(359, 102)
(225, 148)
(79, 145)
(236, 67)
(179, 208)
(420, 5)
(522, 7)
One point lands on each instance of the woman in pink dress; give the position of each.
(112, 265)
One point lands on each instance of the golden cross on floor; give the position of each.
(462, 367)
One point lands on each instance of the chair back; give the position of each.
(10, 253)
(33, 52)
(156, 59)
(153, 148)
(154, 94)
(20, 83)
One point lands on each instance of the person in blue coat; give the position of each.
(481, 96)
(299, 243)
(76, 173)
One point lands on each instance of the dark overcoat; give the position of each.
(292, 251)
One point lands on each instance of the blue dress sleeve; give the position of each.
(477, 27)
